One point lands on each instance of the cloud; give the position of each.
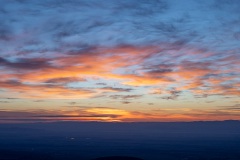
(113, 89)
(101, 84)
(104, 114)
(26, 64)
(125, 97)
(126, 102)
(173, 94)
(64, 80)
(108, 114)
(235, 107)
(26, 90)
(131, 66)
(72, 103)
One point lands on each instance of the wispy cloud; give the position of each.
(134, 62)
(125, 97)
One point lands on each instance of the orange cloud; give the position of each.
(45, 91)
(129, 65)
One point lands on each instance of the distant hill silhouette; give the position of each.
(117, 158)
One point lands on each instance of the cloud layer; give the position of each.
(125, 51)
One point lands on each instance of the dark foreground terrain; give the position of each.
(148, 141)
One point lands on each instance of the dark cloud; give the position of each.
(72, 103)
(76, 116)
(15, 114)
(204, 95)
(101, 84)
(64, 80)
(10, 83)
(159, 71)
(232, 107)
(196, 65)
(173, 94)
(39, 116)
(141, 7)
(117, 89)
(27, 64)
(210, 101)
(168, 29)
(125, 97)
(126, 102)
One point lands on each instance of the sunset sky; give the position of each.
(112, 60)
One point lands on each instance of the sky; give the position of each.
(119, 61)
